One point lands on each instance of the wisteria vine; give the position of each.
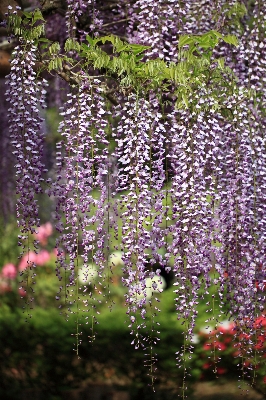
(187, 184)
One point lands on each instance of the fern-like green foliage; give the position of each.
(131, 68)
(126, 62)
(29, 27)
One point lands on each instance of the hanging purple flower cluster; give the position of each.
(75, 11)
(26, 95)
(218, 219)
(140, 133)
(254, 56)
(82, 163)
(158, 25)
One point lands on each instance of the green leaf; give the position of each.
(37, 16)
(15, 21)
(121, 47)
(217, 34)
(137, 48)
(111, 38)
(102, 61)
(55, 63)
(27, 14)
(36, 32)
(185, 99)
(230, 39)
(91, 41)
(238, 9)
(207, 40)
(138, 58)
(184, 40)
(220, 62)
(72, 44)
(85, 48)
(54, 48)
(44, 40)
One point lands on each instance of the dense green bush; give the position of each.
(39, 353)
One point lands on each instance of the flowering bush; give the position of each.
(218, 351)
(16, 277)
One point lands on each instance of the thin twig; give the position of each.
(115, 22)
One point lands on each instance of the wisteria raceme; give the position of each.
(158, 183)
(242, 152)
(26, 95)
(242, 258)
(82, 167)
(158, 25)
(254, 271)
(140, 135)
(213, 196)
(236, 218)
(191, 219)
(76, 9)
(132, 149)
(254, 52)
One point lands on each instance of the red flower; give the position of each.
(260, 322)
(246, 363)
(219, 345)
(207, 346)
(227, 340)
(244, 336)
(221, 370)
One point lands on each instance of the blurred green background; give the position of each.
(38, 357)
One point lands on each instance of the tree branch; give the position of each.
(47, 6)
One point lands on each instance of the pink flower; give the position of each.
(27, 261)
(43, 257)
(244, 336)
(9, 271)
(22, 292)
(58, 252)
(32, 258)
(44, 231)
(260, 342)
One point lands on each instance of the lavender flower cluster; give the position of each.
(26, 95)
